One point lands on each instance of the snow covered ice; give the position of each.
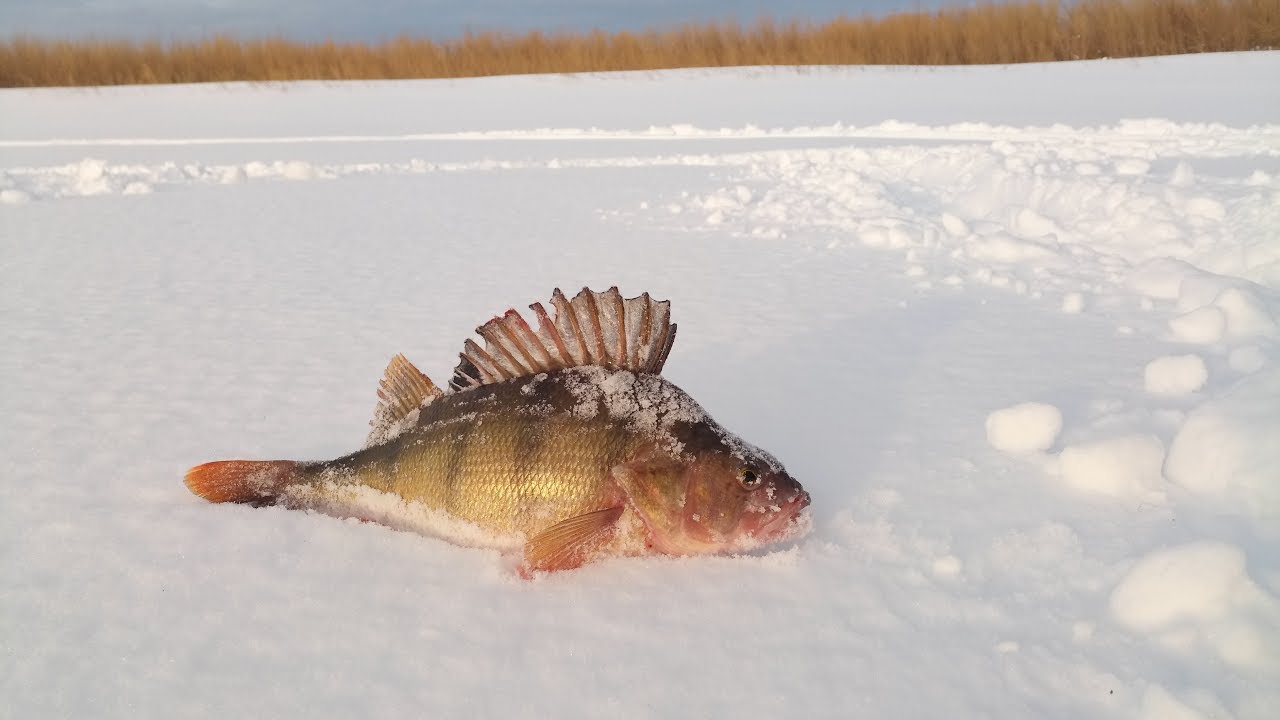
(870, 269)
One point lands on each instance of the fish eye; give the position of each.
(748, 478)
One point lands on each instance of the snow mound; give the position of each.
(1175, 375)
(14, 197)
(1064, 214)
(1246, 314)
(1073, 303)
(1127, 466)
(1212, 307)
(1202, 326)
(1229, 446)
(1199, 596)
(1160, 278)
(1025, 428)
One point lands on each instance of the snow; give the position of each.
(1202, 326)
(872, 269)
(1023, 428)
(1159, 704)
(1186, 596)
(1227, 448)
(1247, 359)
(1175, 375)
(1073, 303)
(1123, 466)
(349, 500)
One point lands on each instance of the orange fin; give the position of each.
(568, 543)
(595, 328)
(241, 481)
(402, 390)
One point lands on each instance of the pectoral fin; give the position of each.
(569, 543)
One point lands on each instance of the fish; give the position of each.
(563, 445)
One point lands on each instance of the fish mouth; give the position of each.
(785, 520)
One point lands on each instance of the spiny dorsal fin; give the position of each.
(592, 329)
(402, 390)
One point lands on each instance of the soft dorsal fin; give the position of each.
(402, 390)
(592, 329)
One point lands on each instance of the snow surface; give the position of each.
(865, 265)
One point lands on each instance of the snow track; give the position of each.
(1027, 371)
(1214, 135)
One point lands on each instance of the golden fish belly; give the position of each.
(502, 460)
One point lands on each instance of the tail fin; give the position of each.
(241, 481)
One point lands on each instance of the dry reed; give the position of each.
(994, 33)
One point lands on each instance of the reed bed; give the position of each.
(991, 33)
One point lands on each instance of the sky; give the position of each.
(380, 19)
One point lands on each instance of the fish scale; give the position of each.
(507, 468)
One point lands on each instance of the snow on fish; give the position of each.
(564, 443)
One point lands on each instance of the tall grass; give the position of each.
(994, 33)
